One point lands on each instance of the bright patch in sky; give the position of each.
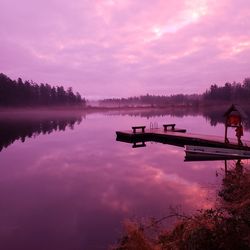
(241, 46)
(123, 47)
(192, 13)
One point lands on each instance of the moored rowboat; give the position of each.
(199, 151)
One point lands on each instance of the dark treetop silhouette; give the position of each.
(18, 93)
(227, 94)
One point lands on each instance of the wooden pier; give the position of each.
(177, 137)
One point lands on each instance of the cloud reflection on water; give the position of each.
(73, 189)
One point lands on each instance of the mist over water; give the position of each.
(66, 183)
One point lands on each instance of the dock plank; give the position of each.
(179, 138)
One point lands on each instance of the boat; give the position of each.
(201, 151)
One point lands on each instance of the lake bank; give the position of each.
(223, 227)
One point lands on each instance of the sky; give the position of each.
(120, 48)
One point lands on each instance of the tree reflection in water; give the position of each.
(21, 125)
(214, 114)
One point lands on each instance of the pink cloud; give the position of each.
(122, 47)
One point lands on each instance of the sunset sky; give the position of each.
(108, 48)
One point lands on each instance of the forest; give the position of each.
(19, 93)
(229, 93)
(27, 93)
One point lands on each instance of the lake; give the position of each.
(66, 183)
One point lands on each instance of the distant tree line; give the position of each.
(27, 93)
(233, 92)
(229, 93)
(153, 100)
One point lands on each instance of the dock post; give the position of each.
(225, 167)
(226, 139)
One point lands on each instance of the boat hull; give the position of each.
(200, 151)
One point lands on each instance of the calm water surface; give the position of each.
(70, 184)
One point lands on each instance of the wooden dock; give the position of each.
(177, 137)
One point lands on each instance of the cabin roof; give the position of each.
(235, 108)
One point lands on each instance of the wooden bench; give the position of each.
(166, 126)
(139, 127)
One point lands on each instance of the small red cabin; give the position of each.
(234, 116)
(234, 119)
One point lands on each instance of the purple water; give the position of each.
(72, 189)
